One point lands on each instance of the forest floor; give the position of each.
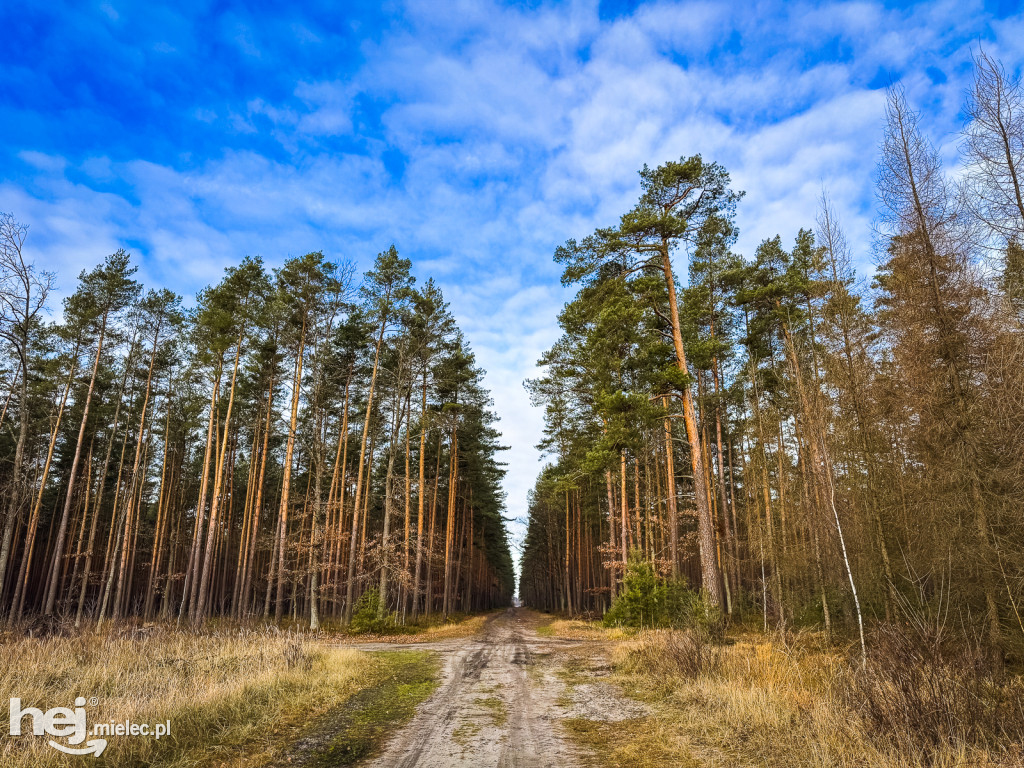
(529, 689)
(234, 694)
(784, 699)
(508, 689)
(485, 690)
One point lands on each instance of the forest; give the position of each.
(294, 442)
(784, 440)
(742, 484)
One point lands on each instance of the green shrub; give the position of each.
(705, 617)
(370, 616)
(650, 601)
(641, 603)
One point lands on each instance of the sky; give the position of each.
(475, 136)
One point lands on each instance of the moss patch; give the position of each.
(573, 671)
(636, 743)
(496, 709)
(465, 733)
(407, 678)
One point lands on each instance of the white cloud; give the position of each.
(518, 129)
(43, 162)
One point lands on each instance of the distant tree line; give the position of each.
(291, 441)
(801, 446)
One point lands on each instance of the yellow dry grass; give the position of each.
(548, 625)
(761, 702)
(229, 695)
(463, 626)
(427, 630)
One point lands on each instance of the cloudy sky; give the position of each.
(476, 136)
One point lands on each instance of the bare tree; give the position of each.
(931, 283)
(23, 294)
(993, 147)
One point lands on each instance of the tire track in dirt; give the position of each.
(496, 704)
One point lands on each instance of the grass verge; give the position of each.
(426, 630)
(406, 678)
(626, 743)
(762, 700)
(579, 629)
(233, 697)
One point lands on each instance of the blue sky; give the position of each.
(476, 136)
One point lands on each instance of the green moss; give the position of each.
(635, 742)
(407, 679)
(465, 733)
(497, 710)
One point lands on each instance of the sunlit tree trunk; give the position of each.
(710, 570)
(350, 584)
(58, 550)
(420, 491)
(258, 504)
(197, 529)
(287, 479)
(449, 536)
(33, 523)
(200, 610)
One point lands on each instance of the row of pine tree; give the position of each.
(294, 440)
(804, 447)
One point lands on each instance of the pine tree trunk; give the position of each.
(419, 501)
(250, 562)
(200, 610)
(428, 604)
(197, 529)
(408, 508)
(710, 570)
(340, 471)
(316, 547)
(350, 584)
(389, 499)
(673, 508)
(624, 529)
(84, 520)
(163, 502)
(58, 550)
(287, 479)
(30, 533)
(449, 537)
(568, 549)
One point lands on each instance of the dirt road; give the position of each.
(499, 703)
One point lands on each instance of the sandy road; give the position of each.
(497, 704)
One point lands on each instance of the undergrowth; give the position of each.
(793, 699)
(227, 693)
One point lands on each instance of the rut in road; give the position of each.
(495, 706)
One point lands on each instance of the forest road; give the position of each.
(494, 706)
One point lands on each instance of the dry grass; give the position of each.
(923, 693)
(637, 743)
(462, 626)
(578, 629)
(228, 694)
(428, 630)
(760, 700)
